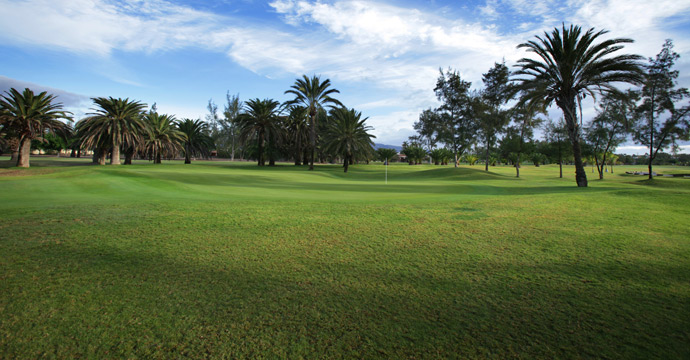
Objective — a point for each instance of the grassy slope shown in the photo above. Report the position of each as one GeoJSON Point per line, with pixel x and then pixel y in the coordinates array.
{"type": "Point", "coordinates": [215, 259]}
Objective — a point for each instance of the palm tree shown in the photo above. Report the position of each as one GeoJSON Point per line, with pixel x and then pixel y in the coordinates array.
{"type": "Point", "coordinates": [198, 141]}
{"type": "Point", "coordinates": [297, 129]}
{"type": "Point", "coordinates": [28, 116]}
{"type": "Point", "coordinates": [259, 121]}
{"type": "Point", "coordinates": [386, 154]}
{"type": "Point", "coordinates": [570, 66]}
{"type": "Point", "coordinates": [115, 122]}
{"type": "Point", "coordinates": [313, 95]}
{"type": "Point", "coordinates": [162, 137]}
{"type": "Point", "coordinates": [347, 135]}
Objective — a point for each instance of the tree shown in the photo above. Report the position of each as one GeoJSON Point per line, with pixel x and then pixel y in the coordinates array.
{"type": "Point", "coordinates": [163, 138]}
{"type": "Point", "coordinates": [570, 66]}
{"type": "Point", "coordinates": [197, 141]}
{"type": "Point", "coordinates": [115, 122]}
{"type": "Point", "coordinates": [297, 128]}
{"type": "Point", "coordinates": [660, 97]}
{"type": "Point", "coordinates": [228, 127]}
{"type": "Point", "coordinates": [259, 122]}
{"type": "Point", "coordinates": [457, 123]}
{"type": "Point", "coordinates": [348, 136]}
{"type": "Point", "coordinates": [313, 94]}
{"type": "Point", "coordinates": [610, 127]}
{"type": "Point", "coordinates": [386, 154]}
{"type": "Point", "coordinates": [525, 120]}
{"type": "Point", "coordinates": [496, 93]}
{"type": "Point", "coordinates": [29, 116]}
{"type": "Point", "coordinates": [555, 134]}
{"type": "Point", "coordinates": [428, 128]}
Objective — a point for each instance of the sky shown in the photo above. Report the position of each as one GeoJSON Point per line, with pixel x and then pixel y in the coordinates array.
{"type": "Point", "coordinates": [383, 56]}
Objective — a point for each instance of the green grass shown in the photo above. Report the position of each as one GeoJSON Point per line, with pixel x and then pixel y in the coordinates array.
{"type": "Point", "coordinates": [229, 260]}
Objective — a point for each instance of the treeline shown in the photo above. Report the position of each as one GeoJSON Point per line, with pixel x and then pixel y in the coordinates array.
{"type": "Point", "coordinates": [313, 125]}
{"type": "Point", "coordinates": [497, 123]}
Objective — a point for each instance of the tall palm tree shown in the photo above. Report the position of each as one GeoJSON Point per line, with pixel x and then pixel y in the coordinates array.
{"type": "Point", "coordinates": [162, 136]}
{"type": "Point", "coordinates": [198, 142]}
{"type": "Point", "coordinates": [28, 116]}
{"type": "Point", "coordinates": [347, 135]}
{"type": "Point", "coordinates": [114, 122]}
{"type": "Point", "coordinates": [571, 65]}
{"type": "Point", "coordinates": [297, 129]}
{"type": "Point", "coordinates": [313, 94]}
{"type": "Point", "coordinates": [259, 121]}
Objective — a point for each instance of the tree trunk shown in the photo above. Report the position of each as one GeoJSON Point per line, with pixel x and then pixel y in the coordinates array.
{"type": "Point", "coordinates": [24, 153]}
{"type": "Point", "coordinates": [570, 114]}
{"type": "Point", "coordinates": [346, 162]}
{"type": "Point", "coordinates": [115, 155]}
{"type": "Point", "coordinates": [129, 154]}
{"type": "Point", "coordinates": [101, 156]}
{"type": "Point", "coordinates": [517, 166]}
{"type": "Point", "coordinates": [312, 136]}
{"type": "Point", "coordinates": [260, 155]}
{"type": "Point", "coordinates": [187, 158]}
{"type": "Point", "coordinates": [486, 156]}
{"type": "Point", "coordinates": [158, 158]}
{"type": "Point", "coordinates": [78, 153]}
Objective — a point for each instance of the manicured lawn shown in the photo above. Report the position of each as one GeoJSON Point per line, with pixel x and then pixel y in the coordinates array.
{"type": "Point", "coordinates": [229, 260]}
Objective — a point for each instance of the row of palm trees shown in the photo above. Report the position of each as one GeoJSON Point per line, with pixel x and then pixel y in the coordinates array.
{"type": "Point", "coordinates": [310, 124]}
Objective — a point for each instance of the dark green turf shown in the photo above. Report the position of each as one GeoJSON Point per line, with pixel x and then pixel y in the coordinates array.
{"type": "Point", "coordinates": [230, 260]}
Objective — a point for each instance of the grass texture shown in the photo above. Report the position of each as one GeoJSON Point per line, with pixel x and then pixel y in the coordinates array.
{"type": "Point", "coordinates": [228, 260]}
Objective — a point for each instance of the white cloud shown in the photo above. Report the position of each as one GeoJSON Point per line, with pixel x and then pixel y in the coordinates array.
{"type": "Point", "coordinates": [392, 53]}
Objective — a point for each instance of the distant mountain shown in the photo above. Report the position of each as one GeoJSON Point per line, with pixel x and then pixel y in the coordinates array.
{"type": "Point", "coordinates": [397, 148]}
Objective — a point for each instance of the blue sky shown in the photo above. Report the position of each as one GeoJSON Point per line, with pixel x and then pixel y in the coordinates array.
{"type": "Point", "coordinates": [383, 56]}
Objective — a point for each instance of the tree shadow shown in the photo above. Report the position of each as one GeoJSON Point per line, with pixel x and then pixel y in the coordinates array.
{"type": "Point", "coordinates": [144, 303]}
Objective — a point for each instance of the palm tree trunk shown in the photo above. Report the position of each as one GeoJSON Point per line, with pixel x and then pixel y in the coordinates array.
{"type": "Point", "coordinates": [570, 115]}
{"type": "Point", "coordinates": [260, 156]}
{"type": "Point", "coordinates": [158, 158]}
{"type": "Point", "coordinates": [312, 136]}
{"type": "Point", "coordinates": [101, 156]}
{"type": "Point", "coordinates": [346, 162]}
{"type": "Point", "coordinates": [24, 153]}
{"type": "Point", "coordinates": [115, 156]}
{"type": "Point", "coordinates": [188, 159]}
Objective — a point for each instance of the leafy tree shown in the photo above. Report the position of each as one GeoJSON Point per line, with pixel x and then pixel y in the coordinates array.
{"type": "Point", "coordinates": [29, 116]}
{"type": "Point", "coordinates": [538, 159]}
{"type": "Point", "coordinates": [313, 94]}
{"type": "Point", "coordinates": [259, 122]}
{"type": "Point", "coordinates": [197, 142]}
{"type": "Point", "coordinates": [555, 133]}
{"type": "Point", "coordinates": [227, 135]}
{"type": "Point", "coordinates": [348, 136]}
{"type": "Point", "coordinates": [525, 120]}
{"type": "Point", "coordinates": [570, 66]}
{"type": "Point", "coordinates": [610, 127]}
{"type": "Point", "coordinates": [114, 122]}
{"type": "Point", "coordinates": [456, 120]}
{"type": "Point", "coordinates": [163, 138]}
{"type": "Point", "coordinates": [493, 118]}
{"type": "Point", "coordinates": [386, 154]}
{"type": "Point", "coordinates": [660, 97]}
{"type": "Point", "coordinates": [428, 128]}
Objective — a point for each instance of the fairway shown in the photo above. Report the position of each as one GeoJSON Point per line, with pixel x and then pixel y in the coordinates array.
{"type": "Point", "coordinates": [229, 260]}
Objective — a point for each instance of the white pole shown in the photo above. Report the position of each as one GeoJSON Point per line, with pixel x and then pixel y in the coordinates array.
{"type": "Point", "coordinates": [386, 170]}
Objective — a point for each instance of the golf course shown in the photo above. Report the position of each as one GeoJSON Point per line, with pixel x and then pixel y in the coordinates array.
{"type": "Point", "coordinates": [219, 259]}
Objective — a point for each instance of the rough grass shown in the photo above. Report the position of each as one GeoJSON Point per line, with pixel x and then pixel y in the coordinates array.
{"type": "Point", "coordinates": [229, 260]}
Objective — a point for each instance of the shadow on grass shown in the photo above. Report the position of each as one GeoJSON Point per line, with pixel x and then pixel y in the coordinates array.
{"type": "Point", "coordinates": [103, 301]}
